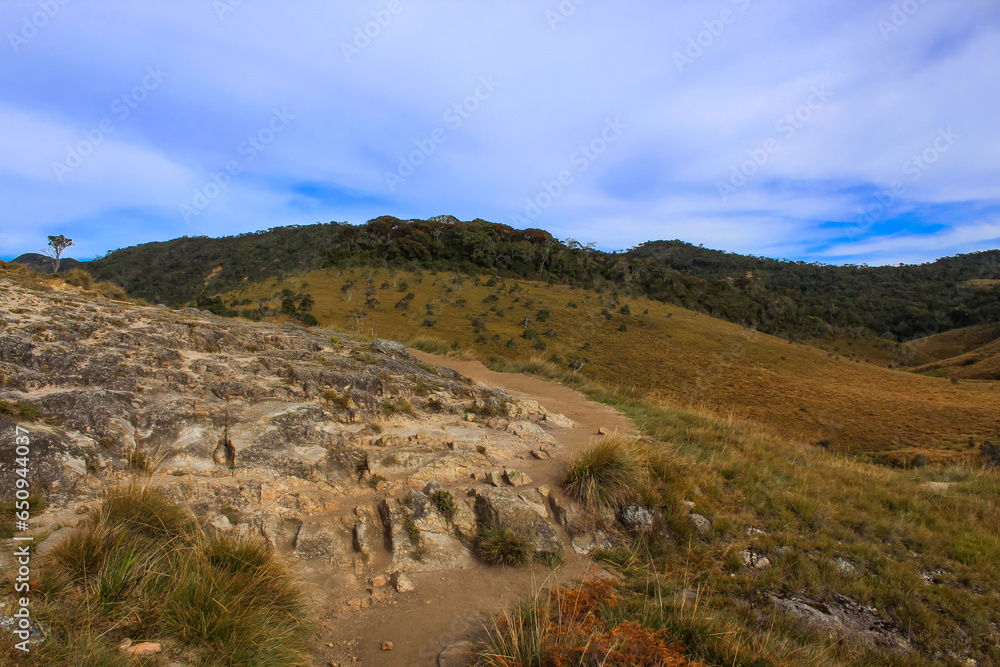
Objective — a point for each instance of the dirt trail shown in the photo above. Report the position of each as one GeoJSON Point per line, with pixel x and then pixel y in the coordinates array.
{"type": "Point", "coordinates": [450, 606]}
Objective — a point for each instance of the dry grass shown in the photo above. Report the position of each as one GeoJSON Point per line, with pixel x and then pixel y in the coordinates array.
{"type": "Point", "coordinates": [667, 351]}
{"type": "Point", "coordinates": [609, 474]}
{"type": "Point", "coordinates": [143, 570]}
{"type": "Point", "coordinates": [573, 626]}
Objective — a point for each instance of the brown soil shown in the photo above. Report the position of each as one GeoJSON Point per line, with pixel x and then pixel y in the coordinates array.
{"type": "Point", "coordinates": [451, 605]}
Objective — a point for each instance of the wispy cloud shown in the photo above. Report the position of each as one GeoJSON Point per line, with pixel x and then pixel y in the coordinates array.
{"type": "Point", "coordinates": [751, 88]}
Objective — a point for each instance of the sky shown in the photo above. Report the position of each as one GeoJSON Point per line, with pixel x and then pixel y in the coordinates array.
{"type": "Point", "coordinates": [836, 131]}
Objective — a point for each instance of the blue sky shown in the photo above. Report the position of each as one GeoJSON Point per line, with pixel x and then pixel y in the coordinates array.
{"type": "Point", "coordinates": [836, 131]}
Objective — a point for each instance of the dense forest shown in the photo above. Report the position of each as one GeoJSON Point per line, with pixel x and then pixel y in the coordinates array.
{"type": "Point", "coordinates": [776, 296]}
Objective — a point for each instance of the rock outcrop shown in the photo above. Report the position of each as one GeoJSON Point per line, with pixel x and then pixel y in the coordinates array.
{"type": "Point", "coordinates": [344, 456]}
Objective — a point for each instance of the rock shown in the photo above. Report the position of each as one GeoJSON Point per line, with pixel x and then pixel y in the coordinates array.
{"type": "Point", "coordinates": [702, 525]}
{"type": "Point", "coordinates": [504, 507]}
{"type": "Point", "coordinates": [402, 583]}
{"type": "Point", "coordinates": [37, 632]}
{"type": "Point", "coordinates": [755, 532]}
{"type": "Point", "coordinates": [844, 566]}
{"type": "Point", "coordinates": [386, 646]}
{"type": "Point", "coordinates": [540, 454]}
{"type": "Point", "coordinates": [53, 540]}
{"type": "Point", "coordinates": [843, 617]}
{"type": "Point", "coordinates": [526, 429]}
{"type": "Point", "coordinates": [559, 421]}
{"type": "Point", "coordinates": [751, 558]}
{"type": "Point", "coordinates": [495, 478]}
{"type": "Point", "coordinates": [516, 477]}
{"type": "Point", "coordinates": [391, 348]}
{"type": "Point", "coordinates": [379, 581]}
{"type": "Point", "coordinates": [462, 654]}
{"type": "Point", "coordinates": [143, 649]}
{"type": "Point", "coordinates": [635, 518]}
{"type": "Point", "coordinates": [602, 431]}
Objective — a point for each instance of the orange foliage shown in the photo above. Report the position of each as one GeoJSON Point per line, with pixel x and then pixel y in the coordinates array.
{"type": "Point", "coordinates": [573, 633]}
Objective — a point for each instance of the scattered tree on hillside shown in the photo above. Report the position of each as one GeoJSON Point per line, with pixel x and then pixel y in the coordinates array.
{"type": "Point", "coordinates": [57, 244]}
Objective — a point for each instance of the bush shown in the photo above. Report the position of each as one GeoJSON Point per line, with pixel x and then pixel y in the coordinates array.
{"type": "Point", "coordinates": [501, 545]}
{"type": "Point", "coordinates": [609, 474]}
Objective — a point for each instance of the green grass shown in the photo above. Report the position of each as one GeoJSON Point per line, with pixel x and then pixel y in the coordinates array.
{"type": "Point", "coordinates": [143, 570]}
{"type": "Point", "coordinates": [502, 545]}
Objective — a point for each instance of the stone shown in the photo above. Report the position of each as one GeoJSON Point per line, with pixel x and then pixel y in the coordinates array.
{"type": "Point", "coordinates": [386, 646]}
{"type": "Point", "coordinates": [755, 532]}
{"type": "Point", "coordinates": [750, 558]}
{"type": "Point", "coordinates": [558, 421]}
{"type": "Point", "coordinates": [402, 583]}
{"type": "Point", "coordinates": [526, 429]}
{"type": "Point", "coordinates": [844, 566]}
{"type": "Point", "coordinates": [461, 654]}
{"type": "Point", "coordinates": [702, 525]}
{"type": "Point", "coordinates": [391, 348]}
{"type": "Point", "coordinates": [504, 507]}
{"type": "Point", "coordinates": [516, 477]}
{"type": "Point", "coordinates": [495, 478]}
{"type": "Point", "coordinates": [635, 518]}
{"type": "Point", "coordinates": [602, 431]}
{"type": "Point", "coordinates": [540, 454]}
{"type": "Point", "coordinates": [143, 649]}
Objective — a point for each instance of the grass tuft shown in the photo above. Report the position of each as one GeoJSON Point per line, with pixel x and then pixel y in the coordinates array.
{"type": "Point", "coordinates": [608, 474]}
{"type": "Point", "coordinates": [502, 545]}
{"type": "Point", "coordinates": [142, 569]}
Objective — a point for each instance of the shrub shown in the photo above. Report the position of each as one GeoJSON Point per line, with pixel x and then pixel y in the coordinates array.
{"type": "Point", "coordinates": [502, 545]}
{"type": "Point", "coordinates": [609, 474]}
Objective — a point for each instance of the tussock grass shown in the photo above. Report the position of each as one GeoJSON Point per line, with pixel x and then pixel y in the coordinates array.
{"type": "Point", "coordinates": [143, 570]}
{"type": "Point", "coordinates": [501, 545]}
{"type": "Point", "coordinates": [609, 473]}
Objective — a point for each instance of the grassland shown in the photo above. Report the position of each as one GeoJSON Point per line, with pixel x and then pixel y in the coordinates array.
{"type": "Point", "coordinates": [919, 546]}
{"type": "Point", "coordinates": [846, 394]}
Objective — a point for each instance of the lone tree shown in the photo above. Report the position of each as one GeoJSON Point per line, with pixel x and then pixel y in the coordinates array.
{"type": "Point", "coordinates": [57, 244]}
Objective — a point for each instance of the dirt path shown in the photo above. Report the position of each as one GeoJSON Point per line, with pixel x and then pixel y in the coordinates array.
{"type": "Point", "coordinates": [449, 606]}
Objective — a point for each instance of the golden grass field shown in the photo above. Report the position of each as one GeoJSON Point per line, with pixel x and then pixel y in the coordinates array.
{"type": "Point", "coordinates": [846, 393]}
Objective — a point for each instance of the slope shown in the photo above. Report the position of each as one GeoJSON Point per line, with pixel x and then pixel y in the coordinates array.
{"type": "Point", "coordinates": [678, 354]}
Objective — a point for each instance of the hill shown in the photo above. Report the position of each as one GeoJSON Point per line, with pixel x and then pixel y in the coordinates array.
{"type": "Point", "coordinates": [791, 299]}
{"type": "Point", "coordinates": [262, 493]}
{"type": "Point", "coordinates": [898, 302]}
{"type": "Point", "coordinates": [971, 353]}
{"type": "Point", "coordinates": [845, 395]}
{"type": "Point", "coordinates": [39, 262]}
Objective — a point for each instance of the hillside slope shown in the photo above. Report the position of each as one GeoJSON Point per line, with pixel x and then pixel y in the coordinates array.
{"type": "Point", "coordinates": [684, 356]}
{"type": "Point", "coordinates": [971, 353]}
